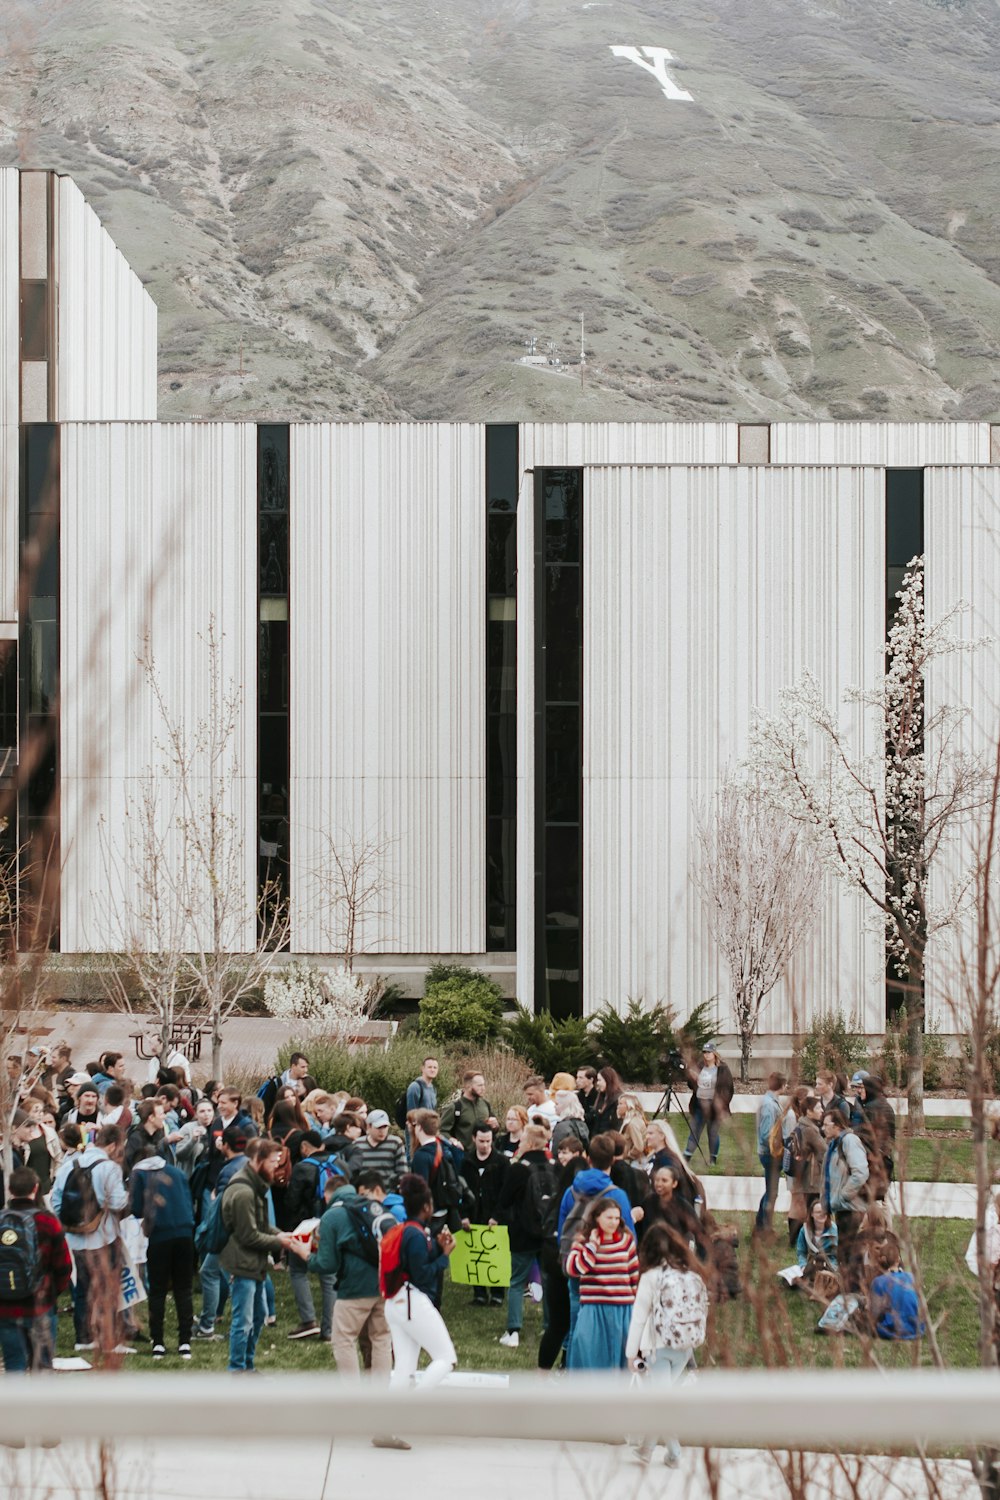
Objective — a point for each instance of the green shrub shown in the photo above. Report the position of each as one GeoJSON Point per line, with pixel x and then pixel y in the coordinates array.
{"type": "Point", "coordinates": [698, 1028]}
{"type": "Point", "coordinates": [634, 1043]}
{"type": "Point", "coordinates": [549, 1045]}
{"type": "Point", "coordinates": [378, 1076]}
{"type": "Point", "coordinates": [892, 1063]}
{"type": "Point", "coordinates": [992, 1050]}
{"type": "Point", "coordinates": [460, 1005]}
{"type": "Point", "coordinates": [830, 1044]}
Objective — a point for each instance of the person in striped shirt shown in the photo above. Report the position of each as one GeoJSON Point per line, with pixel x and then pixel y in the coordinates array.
{"type": "Point", "coordinates": [378, 1151]}
{"type": "Point", "coordinates": [604, 1259]}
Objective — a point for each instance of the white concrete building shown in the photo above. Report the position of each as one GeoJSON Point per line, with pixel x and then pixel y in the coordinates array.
{"type": "Point", "coordinates": [515, 657]}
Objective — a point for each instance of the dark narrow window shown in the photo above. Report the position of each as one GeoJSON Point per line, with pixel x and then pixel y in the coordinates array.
{"type": "Point", "coordinates": [38, 657]}
{"type": "Point", "coordinates": [273, 725]}
{"type": "Point", "coordinates": [904, 540]}
{"type": "Point", "coordinates": [34, 320]}
{"type": "Point", "coordinates": [502, 477]}
{"type": "Point", "coordinates": [558, 731]}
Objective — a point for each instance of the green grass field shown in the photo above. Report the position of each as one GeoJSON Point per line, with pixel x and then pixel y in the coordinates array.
{"type": "Point", "coordinates": [943, 1154]}
{"type": "Point", "coordinates": [769, 1326]}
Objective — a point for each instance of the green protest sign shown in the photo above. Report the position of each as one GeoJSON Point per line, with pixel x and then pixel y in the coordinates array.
{"type": "Point", "coordinates": [481, 1256]}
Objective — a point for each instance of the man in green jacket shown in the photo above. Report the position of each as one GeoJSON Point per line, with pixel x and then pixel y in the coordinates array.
{"type": "Point", "coordinates": [349, 1251]}
{"type": "Point", "coordinates": [470, 1108]}
{"type": "Point", "coordinates": [252, 1239]}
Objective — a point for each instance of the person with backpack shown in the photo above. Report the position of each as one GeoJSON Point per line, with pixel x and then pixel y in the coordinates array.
{"type": "Point", "coordinates": [877, 1130]}
{"type": "Point", "coordinates": [668, 1322]}
{"type": "Point", "coordinates": [88, 1198]}
{"type": "Point", "coordinates": [160, 1198]}
{"type": "Point", "coordinates": [571, 1161]}
{"type": "Point", "coordinates": [439, 1163]}
{"type": "Point", "coordinates": [35, 1269]}
{"type": "Point", "coordinates": [347, 1252]}
{"type": "Point", "coordinates": [845, 1190]}
{"type": "Point", "coordinates": [420, 1094]}
{"type": "Point", "coordinates": [250, 1242]}
{"type": "Point", "coordinates": [484, 1172]}
{"type": "Point", "coordinates": [893, 1301]}
{"type": "Point", "coordinates": [411, 1270]}
{"type": "Point", "coordinates": [304, 1199]}
{"type": "Point", "coordinates": [523, 1207]}
{"type": "Point", "coordinates": [469, 1108]}
{"type": "Point", "coordinates": [604, 1261]}
{"type": "Point", "coordinates": [770, 1149]}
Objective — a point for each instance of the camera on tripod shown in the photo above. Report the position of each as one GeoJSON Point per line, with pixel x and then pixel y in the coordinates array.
{"type": "Point", "coordinates": [673, 1068]}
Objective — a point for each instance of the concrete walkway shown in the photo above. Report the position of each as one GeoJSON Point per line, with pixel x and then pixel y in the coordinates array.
{"type": "Point", "coordinates": [924, 1200]}
{"type": "Point", "coordinates": [487, 1468]}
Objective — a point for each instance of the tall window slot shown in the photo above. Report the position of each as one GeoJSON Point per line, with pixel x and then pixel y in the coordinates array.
{"type": "Point", "coordinates": [501, 686]}
{"type": "Point", "coordinates": [38, 695]}
{"type": "Point", "coordinates": [558, 743]}
{"type": "Point", "coordinates": [904, 540]}
{"type": "Point", "coordinates": [273, 725]}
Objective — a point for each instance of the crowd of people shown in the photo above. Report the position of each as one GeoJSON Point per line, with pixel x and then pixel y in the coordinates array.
{"type": "Point", "coordinates": [169, 1184]}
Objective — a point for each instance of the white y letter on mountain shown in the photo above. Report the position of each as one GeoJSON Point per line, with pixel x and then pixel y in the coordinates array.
{"type": "Point", "coordinates": [657, 65]}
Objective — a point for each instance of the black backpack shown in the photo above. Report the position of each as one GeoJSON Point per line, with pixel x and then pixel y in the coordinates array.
{"type": "Point", "coordinates": [446, 1186]}
{"type": "Point", "coordinates": [536, 1204]}
{"type": "Point", "coordinates": [361, 1222]}
{"type": "Point", "coordinates": [399, 1110]}
{"type": "Point", "coordinates": [19, 1262]}
{"type": "Point", "coordinates": [79, 1211]}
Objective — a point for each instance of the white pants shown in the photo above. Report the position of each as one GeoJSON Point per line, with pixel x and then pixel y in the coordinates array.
{"type": "Point", "coordinates": [416, 1324]}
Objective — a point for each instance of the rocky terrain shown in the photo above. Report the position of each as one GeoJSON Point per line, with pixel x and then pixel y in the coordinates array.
{"type": "Point", "coordinates": [365, 210]}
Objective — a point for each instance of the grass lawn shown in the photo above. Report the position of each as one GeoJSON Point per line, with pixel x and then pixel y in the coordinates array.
{"type": "Point", "coordinates": [771, 1326]}
{"type": "Point", "coordinates": [943, 1154]}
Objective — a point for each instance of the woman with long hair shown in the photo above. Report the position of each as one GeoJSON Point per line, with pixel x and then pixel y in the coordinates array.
{"type": "Point", "coordinates": [412, 1288]}
{"type": "Point", "coordinates": [571, 1159]}
{"type": "Point", "coordinates": [509, 1140]}
{"type": "Point", "coordinates": [287, 1116]}
{"type": "Point", "coordinates": [604, 1260]}
{"type": "Point", "coordinates": [609, 1089]}
{"type": "Point", "coordinates": [711, 1095]}
{"type": "Point", "coordinates": [668, 1320]}
{"type": "Point", "coordinates": [666, 1206]}
{"type": "Point", "coordinates": [631, 1123]}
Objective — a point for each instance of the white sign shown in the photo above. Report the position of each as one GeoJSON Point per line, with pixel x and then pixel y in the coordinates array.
{"type": "Point", "coordinates": [657, 65]}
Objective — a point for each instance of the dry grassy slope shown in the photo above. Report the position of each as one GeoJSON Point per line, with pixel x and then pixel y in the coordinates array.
{"type": "Point", "coordinates": [382, 201]}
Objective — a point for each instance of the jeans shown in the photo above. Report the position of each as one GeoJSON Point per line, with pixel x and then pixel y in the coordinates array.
{"type": "Point", "coordinates": [27, 1343]}
{"type": "Point", "coordinates": [573, 1283]}
{"type": "Point", "coordinates": [521, 1262]}
{"type": "Point", "coordinates": [170, 1267]}
{"type": "Point", "coordinates": [668, 1366]}
{"type": "Point", "coordinates": [214, 1291]}
{"type": "Point", "coordinates": [698, 1122]}
{"type": "Point", "coordinates": [772, 1177]}
{"type": "Point", "coordinates": [302, 1292]}
{"type": "Point", "coordinates": [270, 1301]}
{"type": "Point", "coordinates": [247, 1297]}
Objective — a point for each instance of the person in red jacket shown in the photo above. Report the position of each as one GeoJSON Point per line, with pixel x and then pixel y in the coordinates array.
{"type": "Point", "coordinates": [28, 1324]}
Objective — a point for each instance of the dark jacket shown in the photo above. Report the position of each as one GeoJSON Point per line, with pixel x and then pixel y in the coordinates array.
{"type": "Point", "coordinates": [724, 1090]}
{"type": "Point", "coordinates": [460, 1117]}
{"type": "Point", "coordinates": [632, 1180]}
{"type": "Point", "coordinates": [423, 1260]}
{"type": "Point", "coordinates": [808, 1151]}
{"type": "Point", "coordinates": [216, 1160]}
{"type": "Point", "coordinates": [339, 1252]}
{"type": "Point", "coordinates": [161, 1198]}
{"type": "Point", "coordinates": [510, 1210]}
{"type": "Point", "coordinates": [423, 1164]}
{"type": "Point", "coordinates": [562, 1128]}
{"type": "Point", "coordinates": [301, 1197]}
{"type": "Point", "coordinates": [55, 1269]}
{"type": "Point", "coordinates": [485, 1181]}
{"type": "Point", "coordinates": [251, 1238]}
{"type": "Point", "coordinates": [140, 1143]}
{"type": "Point", "coordinates": [603, 1116]}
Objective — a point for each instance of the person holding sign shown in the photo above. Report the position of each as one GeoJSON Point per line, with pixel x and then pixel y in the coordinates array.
{"type": "Point", "coordinates": [411, 1268]}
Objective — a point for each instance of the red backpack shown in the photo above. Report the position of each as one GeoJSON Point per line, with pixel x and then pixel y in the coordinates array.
{"type": "Point", "coordinates": [391, 1275]}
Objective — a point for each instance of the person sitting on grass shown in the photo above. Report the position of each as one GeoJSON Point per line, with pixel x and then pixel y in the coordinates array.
{"type": "Point", "coordinates": [816, 1246]}
{"type": "Point", "coordinates": [893, 1302]}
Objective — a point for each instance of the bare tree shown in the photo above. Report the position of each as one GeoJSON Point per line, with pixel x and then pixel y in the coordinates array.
{"type": "Point", "coordinates": [760, 891]}
{"type": "Point", "coordinates": [181, 908]}
{"type": "Point", "coordinates": [878, 820]}
{"type": "Point", "coordinates": [351, 888]}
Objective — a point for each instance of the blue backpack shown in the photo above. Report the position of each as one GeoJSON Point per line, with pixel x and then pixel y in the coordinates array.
{"type": "Point", "coordinates": [327, 1167]}
{"type": "Point", "coordinates": [211, 1237]}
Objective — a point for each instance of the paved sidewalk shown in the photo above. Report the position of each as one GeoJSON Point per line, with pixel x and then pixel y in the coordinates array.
{"type": "Point", "coordinates": [489, 1469]}
{"type": "Point", "coordinates": [924, 1200]}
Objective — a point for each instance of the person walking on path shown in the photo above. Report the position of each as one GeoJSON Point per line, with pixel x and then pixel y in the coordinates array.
{"type": "Point", "coordinates": [251, 1240]}
{"type": "Point", "coordinates": [711, 1096]}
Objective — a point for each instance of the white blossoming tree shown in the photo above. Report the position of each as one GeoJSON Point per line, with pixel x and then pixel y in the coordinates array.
{"type": "Point", "coordinates": [756, 875]}
{"type": "Point", "coordinates": [328, 1005]}
{"type": "Point", "coordinates": [878, 821]}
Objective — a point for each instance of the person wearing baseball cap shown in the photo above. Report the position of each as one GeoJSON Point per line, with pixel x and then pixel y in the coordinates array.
{"type": "Point", "coordinates": [858, 1081]}
{"type": "Point", "coordinates": [711, 1096]}
{"type": "Point", "coordinates": [380, 1152]}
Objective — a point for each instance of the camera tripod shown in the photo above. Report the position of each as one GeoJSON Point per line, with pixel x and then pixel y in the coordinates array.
{"type": "Point", "coordinates": [663, 1108]}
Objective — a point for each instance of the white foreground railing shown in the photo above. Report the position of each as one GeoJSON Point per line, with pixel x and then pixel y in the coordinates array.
{"type": "Point", "coordinates": [788, 1409]}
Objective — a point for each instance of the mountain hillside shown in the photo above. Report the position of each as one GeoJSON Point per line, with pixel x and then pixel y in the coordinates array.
{"type": "Point", "coordinates": [368, 210]}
